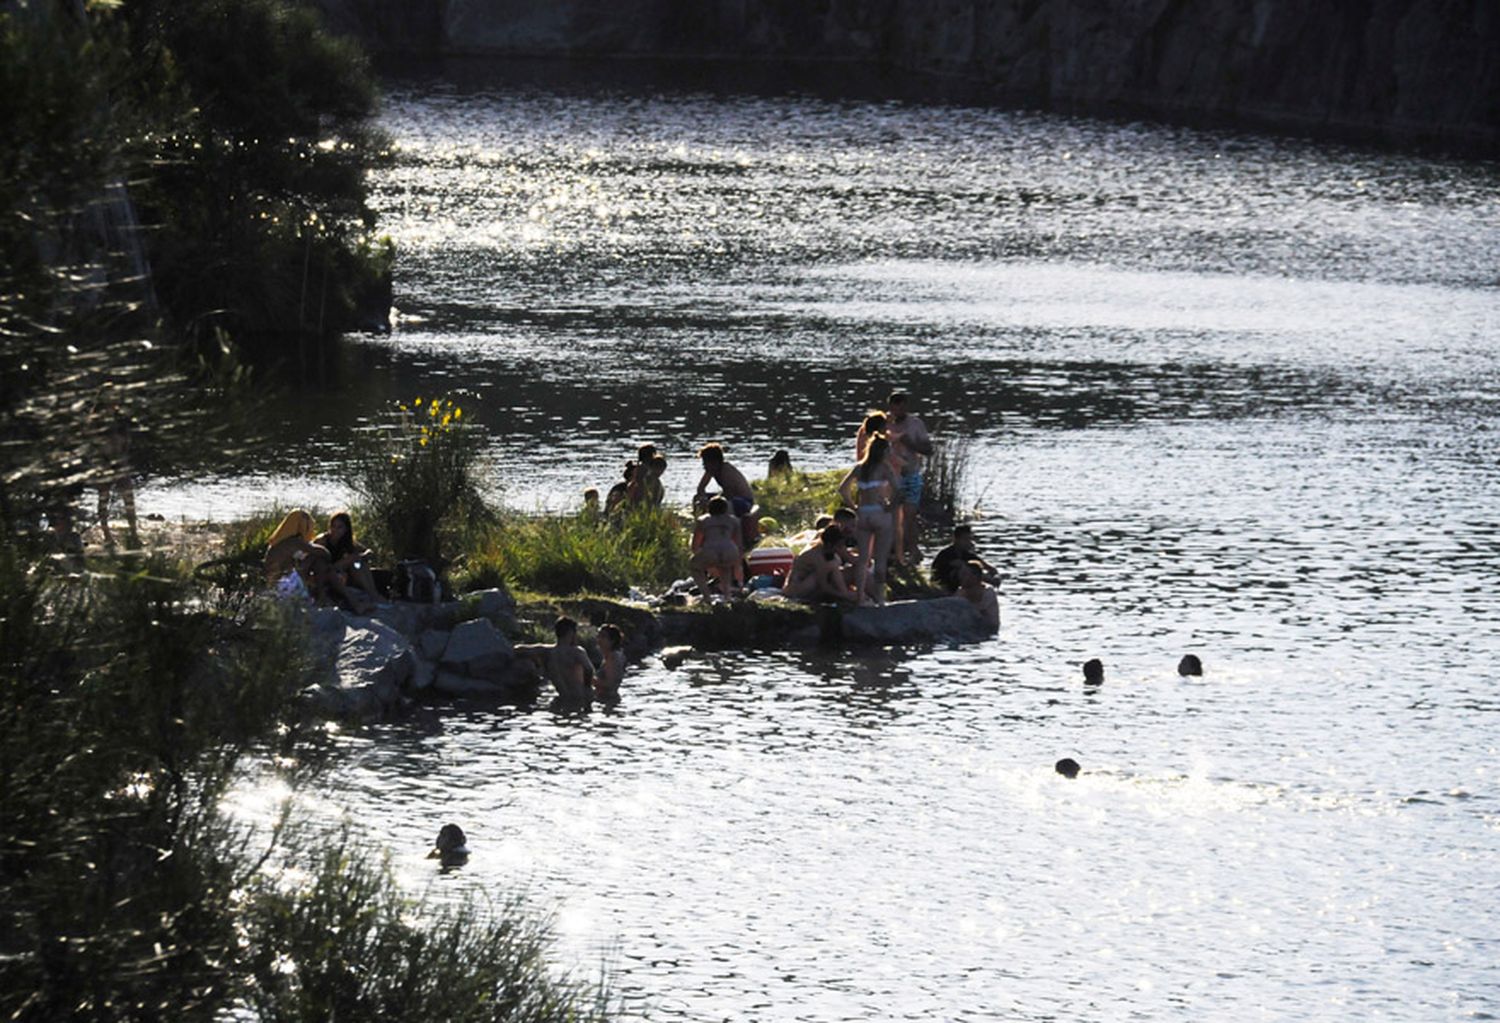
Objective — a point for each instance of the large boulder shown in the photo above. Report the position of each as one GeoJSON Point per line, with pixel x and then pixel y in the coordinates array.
{"type": "Point", "coordinates": [371, 665]}
{"type": "Point", "coordinates": [477, 649]}
{"type": "Point", "coordinates": [916, 621]}
{"type": "Point", "coordinates": [497, 604]}
{"type": "Point", "coordinates": [432, 643]}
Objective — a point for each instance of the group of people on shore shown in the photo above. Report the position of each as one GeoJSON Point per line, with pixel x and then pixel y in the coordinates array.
{"type": "Point", "coordinates": [848, 556]}
{"type": "Point", "coordinates": [325, 566]}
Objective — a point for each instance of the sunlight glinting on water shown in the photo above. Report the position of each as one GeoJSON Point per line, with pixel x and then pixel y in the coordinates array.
{"type": "Point", "coordinates": [1223, 394]}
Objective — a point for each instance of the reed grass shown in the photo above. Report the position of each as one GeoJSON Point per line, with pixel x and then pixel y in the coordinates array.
{"type": "Point", "coordinates": [566, 554]}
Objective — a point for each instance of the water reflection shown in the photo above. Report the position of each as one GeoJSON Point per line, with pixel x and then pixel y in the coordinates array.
{"type": "Point", "coordinates": [1229, 396]}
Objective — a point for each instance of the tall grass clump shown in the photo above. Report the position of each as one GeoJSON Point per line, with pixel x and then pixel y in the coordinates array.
{"type": "Point", "coordinates": [945, 478]}
{"type": "Point", "coordinates": [419, 483]}
{"type": "Point", "coordinates": [577, 553]}
{"type": "Point", "coordinates": [347, 945]}
{"type": "Point", "coordinates": [797, 498]}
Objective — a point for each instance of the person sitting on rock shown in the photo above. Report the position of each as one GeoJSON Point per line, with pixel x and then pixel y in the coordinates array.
{"type": "Point", "coordinates": [946, 563]}
{"type": "Point", "coordinates": [818, 572]}
{"type": "Point", "coordinates": [780, 466]}
{"type": "Point", "coordinates": [732, 483]}
{"type": "Point", "coordinates": [611, 665]}
{"type": "Point", "coordinates": [290, 553]}
{"type": "Point", "coordinates": [972, 587]}
{"type": "Point", "coordinates": [350, 561]}
{"type": "Point", "coordinates": [716, 548]}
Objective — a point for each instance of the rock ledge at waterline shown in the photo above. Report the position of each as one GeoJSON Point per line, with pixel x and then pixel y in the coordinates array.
{"type": "Point", "coordinates": [371, 664]}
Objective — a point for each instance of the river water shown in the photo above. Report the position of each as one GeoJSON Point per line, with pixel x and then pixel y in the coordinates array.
{"type": "Point", "coordinates": [1224, 394]}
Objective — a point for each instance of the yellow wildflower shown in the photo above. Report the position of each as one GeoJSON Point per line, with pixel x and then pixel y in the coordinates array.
{"type": "Point", "coordinates": [424, 442]}
{"type": "Point", "coordinates": [458, 413]}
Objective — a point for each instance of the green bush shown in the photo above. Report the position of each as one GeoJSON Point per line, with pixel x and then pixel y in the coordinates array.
{"type": "Point", "coordinates": [419, 484]}
{"type": "Point", "coordinates": [347, 945]}
{"type": "Point", "coordinates": [577, 553]}
{"type": "Point", "coordinates": [795, 500]}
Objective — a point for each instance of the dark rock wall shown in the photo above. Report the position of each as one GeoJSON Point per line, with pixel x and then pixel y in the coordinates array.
{"type": "Point", "coordinates": [1402, 71]}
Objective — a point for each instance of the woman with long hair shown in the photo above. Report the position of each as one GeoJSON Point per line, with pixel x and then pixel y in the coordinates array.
{"type": "Point", "coordinates": [871, 487]}
{"type": "Point", "coordinates": [350, 561]}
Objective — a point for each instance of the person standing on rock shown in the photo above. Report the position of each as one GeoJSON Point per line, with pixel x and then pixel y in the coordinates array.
{"type": "Point", "coordinates": [909, 442]}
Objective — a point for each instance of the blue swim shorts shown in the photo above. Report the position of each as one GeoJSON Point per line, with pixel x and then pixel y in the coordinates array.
{"type": "Point", "coordinates": [911, 487]}
{"type": "Point", "coordinates": [741, 505]}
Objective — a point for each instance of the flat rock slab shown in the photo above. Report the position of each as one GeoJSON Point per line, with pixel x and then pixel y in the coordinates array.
{"type": "Point", "coordinates": [916, 621]}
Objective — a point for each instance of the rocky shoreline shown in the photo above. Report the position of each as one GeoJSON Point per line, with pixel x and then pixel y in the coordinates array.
{"type": "Point", "coordinates": [374, 666]}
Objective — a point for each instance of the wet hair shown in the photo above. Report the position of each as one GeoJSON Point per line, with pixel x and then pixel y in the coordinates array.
{"type": "Point", "coordinates": [645, 453]}
{"type": "Point", "coordinates": [613, 634]}
{"type": "Point", "coordinates": [823, 522]}
{"type": "Point", "coordinates": [713, 452]}
{"type": "Point", "coordinates": [1093, 672]}
{"type": "Point", "coordinates": [1067, 767]}
{"type": "Point", "coordinates": [1189, 665]}
{"type": "Point", "coordinates": [563, 626]}
{"type": "Point", "coordinates": [874, 455]}
{"type": "Point", "coordinates": [718, 505]}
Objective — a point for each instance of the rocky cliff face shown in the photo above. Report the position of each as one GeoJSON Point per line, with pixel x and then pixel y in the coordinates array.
{"type": "Point", "coordinates": [1400, 71]}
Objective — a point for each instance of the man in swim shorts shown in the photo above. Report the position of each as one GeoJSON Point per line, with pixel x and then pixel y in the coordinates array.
{"type": "Point", "coordinates": [909, 442]}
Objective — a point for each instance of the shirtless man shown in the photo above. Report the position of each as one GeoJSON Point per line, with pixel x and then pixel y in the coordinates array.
{"type": "Point", "coordinates": [716, 545]}
{"type": "Point", "coordinates": [818, 572]}
{"type": "Point", "coordinates": [732, 483]}
{"type": "Point", "coordinates": [565, 664]}
{"type": "Point", "coordinates": [909, 442]}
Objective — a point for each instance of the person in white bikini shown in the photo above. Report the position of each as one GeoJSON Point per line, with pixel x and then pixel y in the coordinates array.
{"type": "Point", "coordinates": [871, 487]}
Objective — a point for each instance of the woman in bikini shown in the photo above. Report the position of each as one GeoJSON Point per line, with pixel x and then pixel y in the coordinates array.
{"type": "Point", "coordinates": [871, 487]}
{"type": "Point", "coordinates": [716, 545]}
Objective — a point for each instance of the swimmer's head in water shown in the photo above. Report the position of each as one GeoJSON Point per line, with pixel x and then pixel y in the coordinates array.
{"type": "Point", "coordinates": [718, 505]}
{"type": "Point", "coordinates": [1189, 665]}
{"type": "Point", "coordinates": [1093, 672]}
{"type": "Point", "coordinates": [1067, 767]}
{"type": "Point", "coordinates": [565, 627]}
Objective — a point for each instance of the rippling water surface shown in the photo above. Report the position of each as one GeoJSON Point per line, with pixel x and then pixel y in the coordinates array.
{"type": "Point", "coordinates": [1225, 394]}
